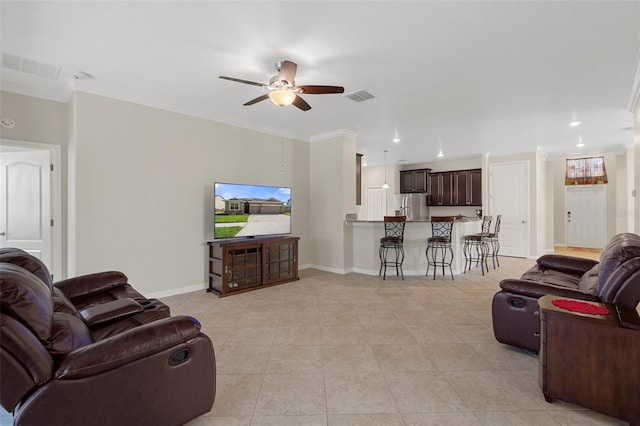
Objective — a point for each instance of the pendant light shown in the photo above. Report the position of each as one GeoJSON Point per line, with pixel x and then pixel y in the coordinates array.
{"type": "Point", "coordinates": [385, 185]}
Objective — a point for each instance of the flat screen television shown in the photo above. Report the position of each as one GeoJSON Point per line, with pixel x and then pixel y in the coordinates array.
{"type": "Point", "coordinates": [248, 211]}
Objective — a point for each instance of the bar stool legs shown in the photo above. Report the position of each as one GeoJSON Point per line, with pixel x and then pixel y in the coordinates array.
{"type": "Point", "coordinates": [495, 243]}
{"type": "Point", "coordinates": [441, 260]}
{"type": "Point", "coordinates": [479, 242]}
{"type": "Point", "coordinates": [395, 261]}
{"type": "Point", "coordinates": [481, 256]}
{"type": "Point", "coordinates": [495, 249]}
{"type": "Point", "coordinates": [439, 244]}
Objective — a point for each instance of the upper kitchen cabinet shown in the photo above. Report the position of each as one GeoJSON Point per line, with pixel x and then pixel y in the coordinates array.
{"type": "Point", "coordinates": [456, 188]}
{"type": "Point", "coordinates": [413, 181]}
{"type": "Point", "coordinates": [441, 189]}
{"type": "Point", "coordinates": [468, 187]}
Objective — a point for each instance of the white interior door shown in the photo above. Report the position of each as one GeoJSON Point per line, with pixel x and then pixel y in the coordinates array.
{"type": "Point", "coordinates": [376, 203]}
{"type": "Point", "coordinates": [509, 197]}
{"type": "Point", "coordinates": [25, 202]}
{"type": "Point", "coordinates": [585, 216]}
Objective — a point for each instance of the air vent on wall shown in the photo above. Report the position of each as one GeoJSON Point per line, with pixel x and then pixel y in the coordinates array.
{"type": "Point", "coordinates": [30, 66]}
{"type": "Point", "coordinates": [359, 96]}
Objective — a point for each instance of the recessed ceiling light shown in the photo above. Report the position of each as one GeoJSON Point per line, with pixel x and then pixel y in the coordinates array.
{"type": "Point", "coordinates": [575, 123]}
{"type": "Point", "coordinates": [580, 144]}
{"type": "Point", "coordinates": [440, 154]}
{"type": "Point", "coordinates": [396, 139]}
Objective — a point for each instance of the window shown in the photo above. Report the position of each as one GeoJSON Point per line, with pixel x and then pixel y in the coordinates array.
{"type": "Point", "coordinates": [234, 206]}
{"type": "Point", "coordinates": [586, 171]}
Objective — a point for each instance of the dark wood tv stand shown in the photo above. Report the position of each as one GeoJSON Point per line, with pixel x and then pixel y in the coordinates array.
{"type": "Point", "coordinates": [244, 265]}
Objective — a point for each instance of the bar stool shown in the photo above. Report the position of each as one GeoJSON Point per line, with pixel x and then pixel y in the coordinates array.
{"type": "Point", "coordinates": [393, 240]}
{"type": "Point", "coordinates": [439, 243]}
{"type": "Point", "coordinates": [479, 242]}
{"type": "Point", "coordinates": [492, 239]}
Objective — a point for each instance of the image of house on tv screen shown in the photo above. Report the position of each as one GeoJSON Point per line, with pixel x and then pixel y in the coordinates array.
{"type": "Point", "coordinates": [251, 210]}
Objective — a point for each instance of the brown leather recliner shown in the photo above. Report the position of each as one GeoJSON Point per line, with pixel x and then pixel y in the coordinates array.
{"type": "Point", "coordinates": [119, 361]}
{"type": "Point", "coordinates": [615, 279]}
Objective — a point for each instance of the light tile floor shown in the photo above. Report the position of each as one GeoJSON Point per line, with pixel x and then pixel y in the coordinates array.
{"type": "Point", "coordinates": [356, 350]}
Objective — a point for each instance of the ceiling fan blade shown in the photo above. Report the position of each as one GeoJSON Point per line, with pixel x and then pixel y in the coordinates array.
{"type": "Point", "coordinates": [301, 103]}
{"type": "Point", "coordinates": [239, 80]}
{"type": "Point", "coordinates": [256, 100]}
{"type": "Point", "coordinates": [319, 90]}
{"type": "Point", "coordinates": [288, 72]}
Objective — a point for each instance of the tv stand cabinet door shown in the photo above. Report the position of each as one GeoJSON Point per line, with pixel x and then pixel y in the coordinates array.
{"type": "Point", "coordinates": [280, 261]}
{"type": "Point", "coordinates": [242, 267]}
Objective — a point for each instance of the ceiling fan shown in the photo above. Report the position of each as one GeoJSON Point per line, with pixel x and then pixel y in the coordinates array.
{"type": "Point", "coordinates": [283, 90]}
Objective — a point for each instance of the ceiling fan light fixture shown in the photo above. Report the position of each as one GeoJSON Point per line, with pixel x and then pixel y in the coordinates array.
{"type": "Point", "coordinates": [282, 97]}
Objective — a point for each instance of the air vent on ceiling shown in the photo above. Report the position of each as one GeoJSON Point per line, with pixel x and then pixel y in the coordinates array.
{"type": "Point", "coordinates": [626, 129]}
{"type": "Point", "coordinates": [30, 66]}
{"type": "Point", "coordinates": [359, 96]}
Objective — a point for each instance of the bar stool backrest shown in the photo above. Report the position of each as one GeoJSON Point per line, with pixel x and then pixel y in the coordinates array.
{"type": "Point", "coordinates": [441, 226]}
{"type": "Point", "coordinates": [496, 230]}
{"type": "Point", "coordinates": [394, 227]}
{"type": "Point", "coordinates": [486, 225]}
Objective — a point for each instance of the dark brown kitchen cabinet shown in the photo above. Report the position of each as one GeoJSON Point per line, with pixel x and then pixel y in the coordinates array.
{"type": "Point", "coordinates": [441, 188]}
{"type": "Point", "coordinates": [468, 187]}
{"type": "Point", "coordinates": [413, 181]}
{"type": "Point", "coordinates": [475, 194]}
{"type": "Point", "coordinates": [455, 188]}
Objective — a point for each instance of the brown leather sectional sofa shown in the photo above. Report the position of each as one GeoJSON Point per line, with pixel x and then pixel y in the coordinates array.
{"type": "Point", "coordinates": [615, 279]}
{"type": "Point", "coordinates": [92, 350]}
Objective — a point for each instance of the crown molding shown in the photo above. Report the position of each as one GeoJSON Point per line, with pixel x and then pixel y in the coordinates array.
{"type": "Point", "coordinates": [333, 135]}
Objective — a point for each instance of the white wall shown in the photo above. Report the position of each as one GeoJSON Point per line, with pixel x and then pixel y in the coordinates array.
{"type": "Point", "coordinates": [628, 196]}
{"type": "Point", "coordinates": [332, 185]}
{"type": "Point", "coordinates": [37, 120]}
{"type": "Point", "coordinates": [447, 165]}
{"type": "Point", "coordinates": [636, 162]}
{"type": "Point", "coordinates": [144, 188]}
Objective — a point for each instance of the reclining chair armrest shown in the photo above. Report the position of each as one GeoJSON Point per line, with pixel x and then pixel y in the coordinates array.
{"type": "Point", "coordinates": [127, 347]}
{"type": "Point", "coordinates": [567, 264]}
{"type": "Point", "coordinates": [536, 290]}
{"type": "Point", "coordinates": [105, 312]}
{"type": "Point", "coordinates": [92, 283]}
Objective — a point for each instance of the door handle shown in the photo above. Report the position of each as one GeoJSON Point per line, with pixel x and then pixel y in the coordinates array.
{"type": "Point", "coordinates": [524, 221]}
{"type": "Point", "coordinates": [2, 234]}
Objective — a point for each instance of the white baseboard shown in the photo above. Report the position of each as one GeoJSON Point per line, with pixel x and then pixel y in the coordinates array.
{"type": "Point", "coordinates": [176, 291]}
{"type": "Point", "coordinates": [327, 269]}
